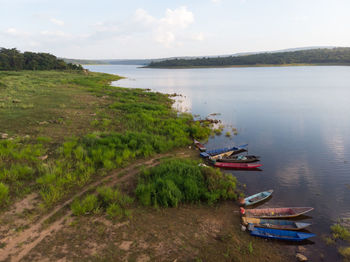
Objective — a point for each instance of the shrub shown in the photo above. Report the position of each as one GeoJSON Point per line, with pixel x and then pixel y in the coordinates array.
{"type": "Point", "coordinates": [179, 181]}
{"type": "Point", "coordinates": [87, 206]}
{"type": "Point", "coordinates": [115, 211]}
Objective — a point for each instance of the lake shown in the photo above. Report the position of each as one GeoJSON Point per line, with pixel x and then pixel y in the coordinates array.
{"type": "Point", "coordinates": [296, 118]}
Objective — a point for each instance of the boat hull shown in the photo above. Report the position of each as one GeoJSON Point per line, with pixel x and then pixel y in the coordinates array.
{"type": "Point", "coordinates": [235, 159]}
{"type": "Point", "coordinates": [257, 198]}
{"type": "Point", "coordinates": [232, 150]}
{"type": "Point", "coordinates": [280, 234]}
{"type": "Point", "coordinates": [284, 212]}
{"type": "Point", "coordinates": [275, 223]}
{"type": "Point", "coordinates": [236, 165]}
{"type": "Point", "coordinates": [199, 145]}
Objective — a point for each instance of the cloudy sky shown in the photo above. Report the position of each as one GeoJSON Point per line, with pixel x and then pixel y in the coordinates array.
{"type": "Point", "coordinates": [163, 28]}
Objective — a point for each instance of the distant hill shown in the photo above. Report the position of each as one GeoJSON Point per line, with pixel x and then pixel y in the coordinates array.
{"type": "Point", "coordinates": [111, 61]}
{"type": "Point", "coordinates": [148, 61]}
{"type": "Point", "coordinates": [321, 56]}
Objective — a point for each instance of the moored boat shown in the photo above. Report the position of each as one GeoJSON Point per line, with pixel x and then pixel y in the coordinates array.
{"type": "Point", "coordinates": [275, 223]}
{"type": "Point", "coordinates": [239, 159]}
{"type": "Point", "coordinates": [224, 151]}
{"type": "Point", "coordinates": [281, 212]}
{"type": "Point", "coordinates": [236, 165]}
{"type": "Point", "coordinates": [199, 145]}
{"type": "Point", "coordinates": [254, 199]}
{"type": "Point", "coordinates": [280, 234]}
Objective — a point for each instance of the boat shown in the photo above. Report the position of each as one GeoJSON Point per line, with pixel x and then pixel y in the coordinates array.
{"type": "Point", "coordinates": [224, 151]}
{"type": "Point", "coordinates": [254, 199]}
{"type": "Point", "coordinates": [281, 212]}
{"type": "Point", "coordinates": [280, 234]}
{"type": "Point", "coordinates": [236, 165]}
{"type": "Point", "coordinates": [275, 223]}
{"type": "Point", "coordinates": [239, 159]}
{"type": "Point", "coordinates": [200, 146]}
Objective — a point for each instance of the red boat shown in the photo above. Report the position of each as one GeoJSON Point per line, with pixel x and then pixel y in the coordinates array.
{"type": "Point", "coordinates": [237, 165]}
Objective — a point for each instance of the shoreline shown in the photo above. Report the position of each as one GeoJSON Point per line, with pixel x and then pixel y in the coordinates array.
{"type": "Point", "coordinates": [241, 66]}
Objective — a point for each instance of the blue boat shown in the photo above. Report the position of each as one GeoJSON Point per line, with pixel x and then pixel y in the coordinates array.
{"type": "Point", "coordinates": [274, 223]}
{"type": "Point", "coordinates": [280, 234]}
{"type": "Point", "coordinates": [235, 149]}
{"type": "Point", "coordinates": [254, 199]}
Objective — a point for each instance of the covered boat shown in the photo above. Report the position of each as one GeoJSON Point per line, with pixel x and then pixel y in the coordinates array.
{"type": "Point", "coordinates": [275, 223]}
{"type": "Point", "coordinates": [236, 165]}
{"type": "Point", "coordinates": [281, 212]}
{"type": "Point", "coordinates": [254, 199]}
{"type": "Point", "coordinates": [227, 151]}
{"type": "Point", "coordinates": [200, 146]}
{"type": "Point", "coordinates": [239, 159]}
{"type": "Point", "coordinates": [280, 234]}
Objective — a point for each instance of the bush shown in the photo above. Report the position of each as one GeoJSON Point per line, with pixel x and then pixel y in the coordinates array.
{"type": "Point", "coordinates": [183, 181]}
{"type": "Point", "coordinates": [110, 200]}
{"type": "Point", "coordinates": [4, 194]}
{"type": "Point", "coordinates": [87, 206]}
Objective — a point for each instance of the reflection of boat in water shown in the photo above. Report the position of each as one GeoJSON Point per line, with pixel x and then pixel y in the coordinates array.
{"type": "Point", "coordinates": [275, 223]}
{"type": "Point", "coordinates": [280, 234]}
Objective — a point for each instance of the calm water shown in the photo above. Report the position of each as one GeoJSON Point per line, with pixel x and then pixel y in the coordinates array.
{"type": "Point", "coordinates": [296, 118]}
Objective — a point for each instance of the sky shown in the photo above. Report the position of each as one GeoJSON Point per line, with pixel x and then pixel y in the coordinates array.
{"type": "Point", "coordinates": [114, 29]}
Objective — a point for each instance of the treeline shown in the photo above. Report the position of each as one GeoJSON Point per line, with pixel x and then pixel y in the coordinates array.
{"type": "Point", "coordinates": [314, 56]}
{"type": "Point", "coordinates": [12, 59]}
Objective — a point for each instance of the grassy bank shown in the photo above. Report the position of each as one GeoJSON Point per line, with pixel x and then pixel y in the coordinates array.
{"type": "Point", "coordinates": [63, 129]}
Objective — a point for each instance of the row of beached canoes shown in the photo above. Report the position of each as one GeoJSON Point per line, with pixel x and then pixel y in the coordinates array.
{"type": "Point", "coordinates": [229, 157]}
{"type": "Point", "coordinates": [269, 223]}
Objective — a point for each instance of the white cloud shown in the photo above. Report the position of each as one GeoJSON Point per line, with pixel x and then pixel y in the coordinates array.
{"type": "Point", "coordinates": [198, 37]}
{"type": "Point", "coordinates": [56, 21]}
{"type": "Point", "coordinates": [15, 32]}
{"type": "Point", "coordinates": [168, 29]}
{"type": "Point", "coordinates": [179, 17]}
{"type": "Point", "coordinates": [216, 1]}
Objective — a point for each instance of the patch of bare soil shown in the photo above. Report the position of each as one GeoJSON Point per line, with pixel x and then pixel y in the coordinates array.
{"type": "Point", "coordinates": [187, 233]}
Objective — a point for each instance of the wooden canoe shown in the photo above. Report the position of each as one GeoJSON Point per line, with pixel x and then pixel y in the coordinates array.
{"type": "Point", "coordinates": [239, 159]}
{"type": "Point", "coordinates": [280, 234]}
{"type": "Point", "coordinates": [200, 146]}
{"type": "Point", "coordinates": [224, 151]}
{"type": "Point", "coordinates": [275, 223]}
{"type": "Point", "coordinates": [254, 199]}
{"type": "Point", "coordinates": [236, 165]}
{"type": "Point", "coordinates": [281, 212]}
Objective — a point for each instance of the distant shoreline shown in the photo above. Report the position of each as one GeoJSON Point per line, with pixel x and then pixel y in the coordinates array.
{"type": "Point", "coordinates": [242, 66]}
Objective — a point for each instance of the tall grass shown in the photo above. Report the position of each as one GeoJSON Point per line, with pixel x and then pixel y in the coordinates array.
{"type": "Point", "coordinates": [4, 194]}
{"type": "Point", "coordinates": [109, 200]}
{"type": "Point", "coordinates": [183, 181]}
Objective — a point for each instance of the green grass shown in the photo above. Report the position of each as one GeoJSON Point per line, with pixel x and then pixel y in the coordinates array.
{"type": "Point", "coordinates": [109, 200]}
{"type": "Point", "coordinates": [183, 181]}
{"type": "Point", "coordinates": [84, 126]}
{"type": "Point", "coordinates": [340, 232]}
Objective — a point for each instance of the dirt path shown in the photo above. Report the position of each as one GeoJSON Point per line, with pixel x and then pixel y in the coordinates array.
{"type": "Point", "coordinates": [16, 247]}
